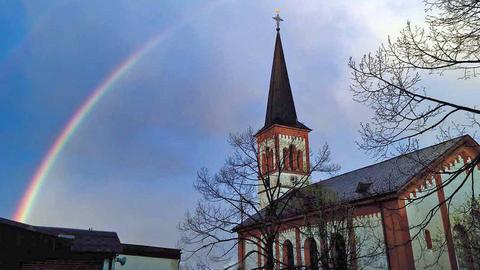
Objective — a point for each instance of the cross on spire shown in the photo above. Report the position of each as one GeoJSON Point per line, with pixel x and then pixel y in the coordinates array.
{"type": "Point", "coordinates": [278, 19]}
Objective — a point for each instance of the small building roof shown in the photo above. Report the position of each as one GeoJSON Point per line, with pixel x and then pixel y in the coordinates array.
{"type": "Point", "coordinates": [89, 241]}
{"type": "Point", "coordinates": [149, 251]}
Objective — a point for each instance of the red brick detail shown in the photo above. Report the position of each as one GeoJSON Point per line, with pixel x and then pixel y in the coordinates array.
{"type": "Point", "coordinates": [446, 224]}
{"type": "Point", "coordinates": [94, 264]}
{"type": "Point", "coordinates": [241, 254]}
{"type": "Point", "coordinates": [397, 236]}
{"type": "Point", "coordinates": [298, 247]}
{"type": "Point", "coordinates": [364, 210]}
{"type": "Point", "coordinates": [274, 131]}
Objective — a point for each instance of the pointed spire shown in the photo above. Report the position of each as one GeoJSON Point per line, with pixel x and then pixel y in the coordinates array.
{"type": "Point", "coordinates": [280, 106]}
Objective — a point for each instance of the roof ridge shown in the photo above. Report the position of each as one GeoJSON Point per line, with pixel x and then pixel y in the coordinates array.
{"type": "Point", "coordinates": [71, 229]}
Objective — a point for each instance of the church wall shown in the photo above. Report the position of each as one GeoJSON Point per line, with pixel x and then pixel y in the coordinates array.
{"type": "Point", "coordinates": [370, 242]}
{"type": "Point", "coordinates": [460, 198]}
{"type": "Point", "coordinates": [284, 236]}
{"type": "Point", "coordinates": [443, 254]}
{"type": "Point", "coordinates": [251, 261]}
{"type": "Point", "coordinates": [306, 232]}
{"type": "Point", "coordinates": [418, 213]}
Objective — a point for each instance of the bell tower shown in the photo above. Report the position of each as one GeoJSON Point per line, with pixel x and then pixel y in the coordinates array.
{"type": "Point", "coordinates": [283, 140]}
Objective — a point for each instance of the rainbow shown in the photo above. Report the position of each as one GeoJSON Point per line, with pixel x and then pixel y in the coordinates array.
{"type": "Point", "coordinates": [25, 207]}
{"type": "Point", "coordinates": [26, 203]}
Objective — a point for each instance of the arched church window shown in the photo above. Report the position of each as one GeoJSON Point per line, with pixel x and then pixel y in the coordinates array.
{"type": "Point", "coordinates": [287, 251]}
{"type": "Point", "coordinates": [463, 247]}
{"type": "Point", "coordinates": [300, 160]}
{"type": "Point", "coordinates": [339, 252]}
{"type": "Point", "coordinates": [271, 166]}
{"type": "Point", "coordinates": [428, 239]}
{"type": "Point", "coordinates": [263, 162]}
{"type": "Point", "coordinates": [292, 157]}
{"type": "Point", "coordinates": [311, 254]}
{"type": "Point", "coordinates": [286, 159]}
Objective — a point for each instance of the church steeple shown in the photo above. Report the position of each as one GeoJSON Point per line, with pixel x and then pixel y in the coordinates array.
{"type": "Point", "coordinates": [280, 106]}
{"type": "Point", "coordinates": [283, 140]}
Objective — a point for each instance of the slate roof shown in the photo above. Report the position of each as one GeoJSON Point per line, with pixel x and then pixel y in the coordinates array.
{"type": "Point", "coordinates": [280, 106]}
{"type": "Point", "coordinates": [385, 177]}
{"type": "Point", "coordinates": [19, 225]}
{"type": "Point", "coordinates": [389, 175]}
{"type": "Point", "coordinates": [87, 240]}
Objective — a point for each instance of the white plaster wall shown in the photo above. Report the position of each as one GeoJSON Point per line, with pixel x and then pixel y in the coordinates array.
{"type": "Point", "coordinates": [417, 213]}
{"type": "Point", "coordinates": [464, 194]}
{"type": "Point", "coordinates": [438, 257]}
{"type": "Point", "coordinates": [287, 235]}
{"type": "Point", "coordinates": [251, 260]}
{"type": "Point", "coordinates": [147, 263]}
{"type": "Point", "coordinates": [286, 182]}
{"type": "Point", "coordinates": [370, 242]}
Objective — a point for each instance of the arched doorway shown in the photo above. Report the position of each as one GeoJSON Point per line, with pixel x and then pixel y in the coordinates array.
{"type": "Point", "coordinates": [311, 254]}
{"type": "Point", "coordinates": [287, 251]}
{"type": "Point", "coordinates": [339, 252]}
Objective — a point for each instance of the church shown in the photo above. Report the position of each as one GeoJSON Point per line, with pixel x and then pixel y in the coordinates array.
{"type": "Point", "coordinates": [382, 195]}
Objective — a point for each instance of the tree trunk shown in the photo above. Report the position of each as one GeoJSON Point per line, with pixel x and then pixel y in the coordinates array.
{"type": "Point", "coordinates": [270, 262]}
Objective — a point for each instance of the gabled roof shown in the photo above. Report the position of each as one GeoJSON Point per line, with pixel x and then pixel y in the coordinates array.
{"type": "Point", "coordinates": [280, 106]}
{"type": "Point", "coordinates": [87, 240]}
{"type": "Point", "coordinates": [384, 177]}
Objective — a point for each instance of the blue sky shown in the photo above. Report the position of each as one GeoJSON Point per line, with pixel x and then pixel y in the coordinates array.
{"type": "Point", "coordinates": [130, 166]}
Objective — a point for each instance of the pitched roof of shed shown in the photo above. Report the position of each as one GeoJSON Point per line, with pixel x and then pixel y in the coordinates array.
{"type": "Point", "coordinates": [386, 177]}
{"type": "Point", "coordinates": [87, 240]}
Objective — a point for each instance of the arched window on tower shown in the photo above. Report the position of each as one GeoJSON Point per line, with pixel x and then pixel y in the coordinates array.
{"type": "Point", "coordinates": [292, 157]}
{"type": "Point", "coordinates": [271, 163]}
{"type": "Point", "coordinates": [287, 251]}
{"type": "Point", "coordinates": [263, 163]}
{"type": "Point", "coordinates": [428, 239]}
{"type": "Point", "coordinates": [311, 254]}
{"type": "Point", "coordinates": [300, 161]}
{"type": "Point", "coordinates": [286, 159]}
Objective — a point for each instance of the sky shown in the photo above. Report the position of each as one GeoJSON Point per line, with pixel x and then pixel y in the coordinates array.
{"type": "Point", "coordinates": [130, 165]}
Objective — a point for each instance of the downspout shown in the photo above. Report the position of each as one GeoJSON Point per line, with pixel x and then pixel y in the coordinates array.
{"type": "Point", "coordinates": [113, 262]}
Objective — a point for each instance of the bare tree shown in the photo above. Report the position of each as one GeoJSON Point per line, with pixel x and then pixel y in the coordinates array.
{"type": "Point", "coordinates": [331, 223]}
{"type": "Point", "coordinates": [405, 109]}
{"type": "Point", "coordinates": [229, 199]}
